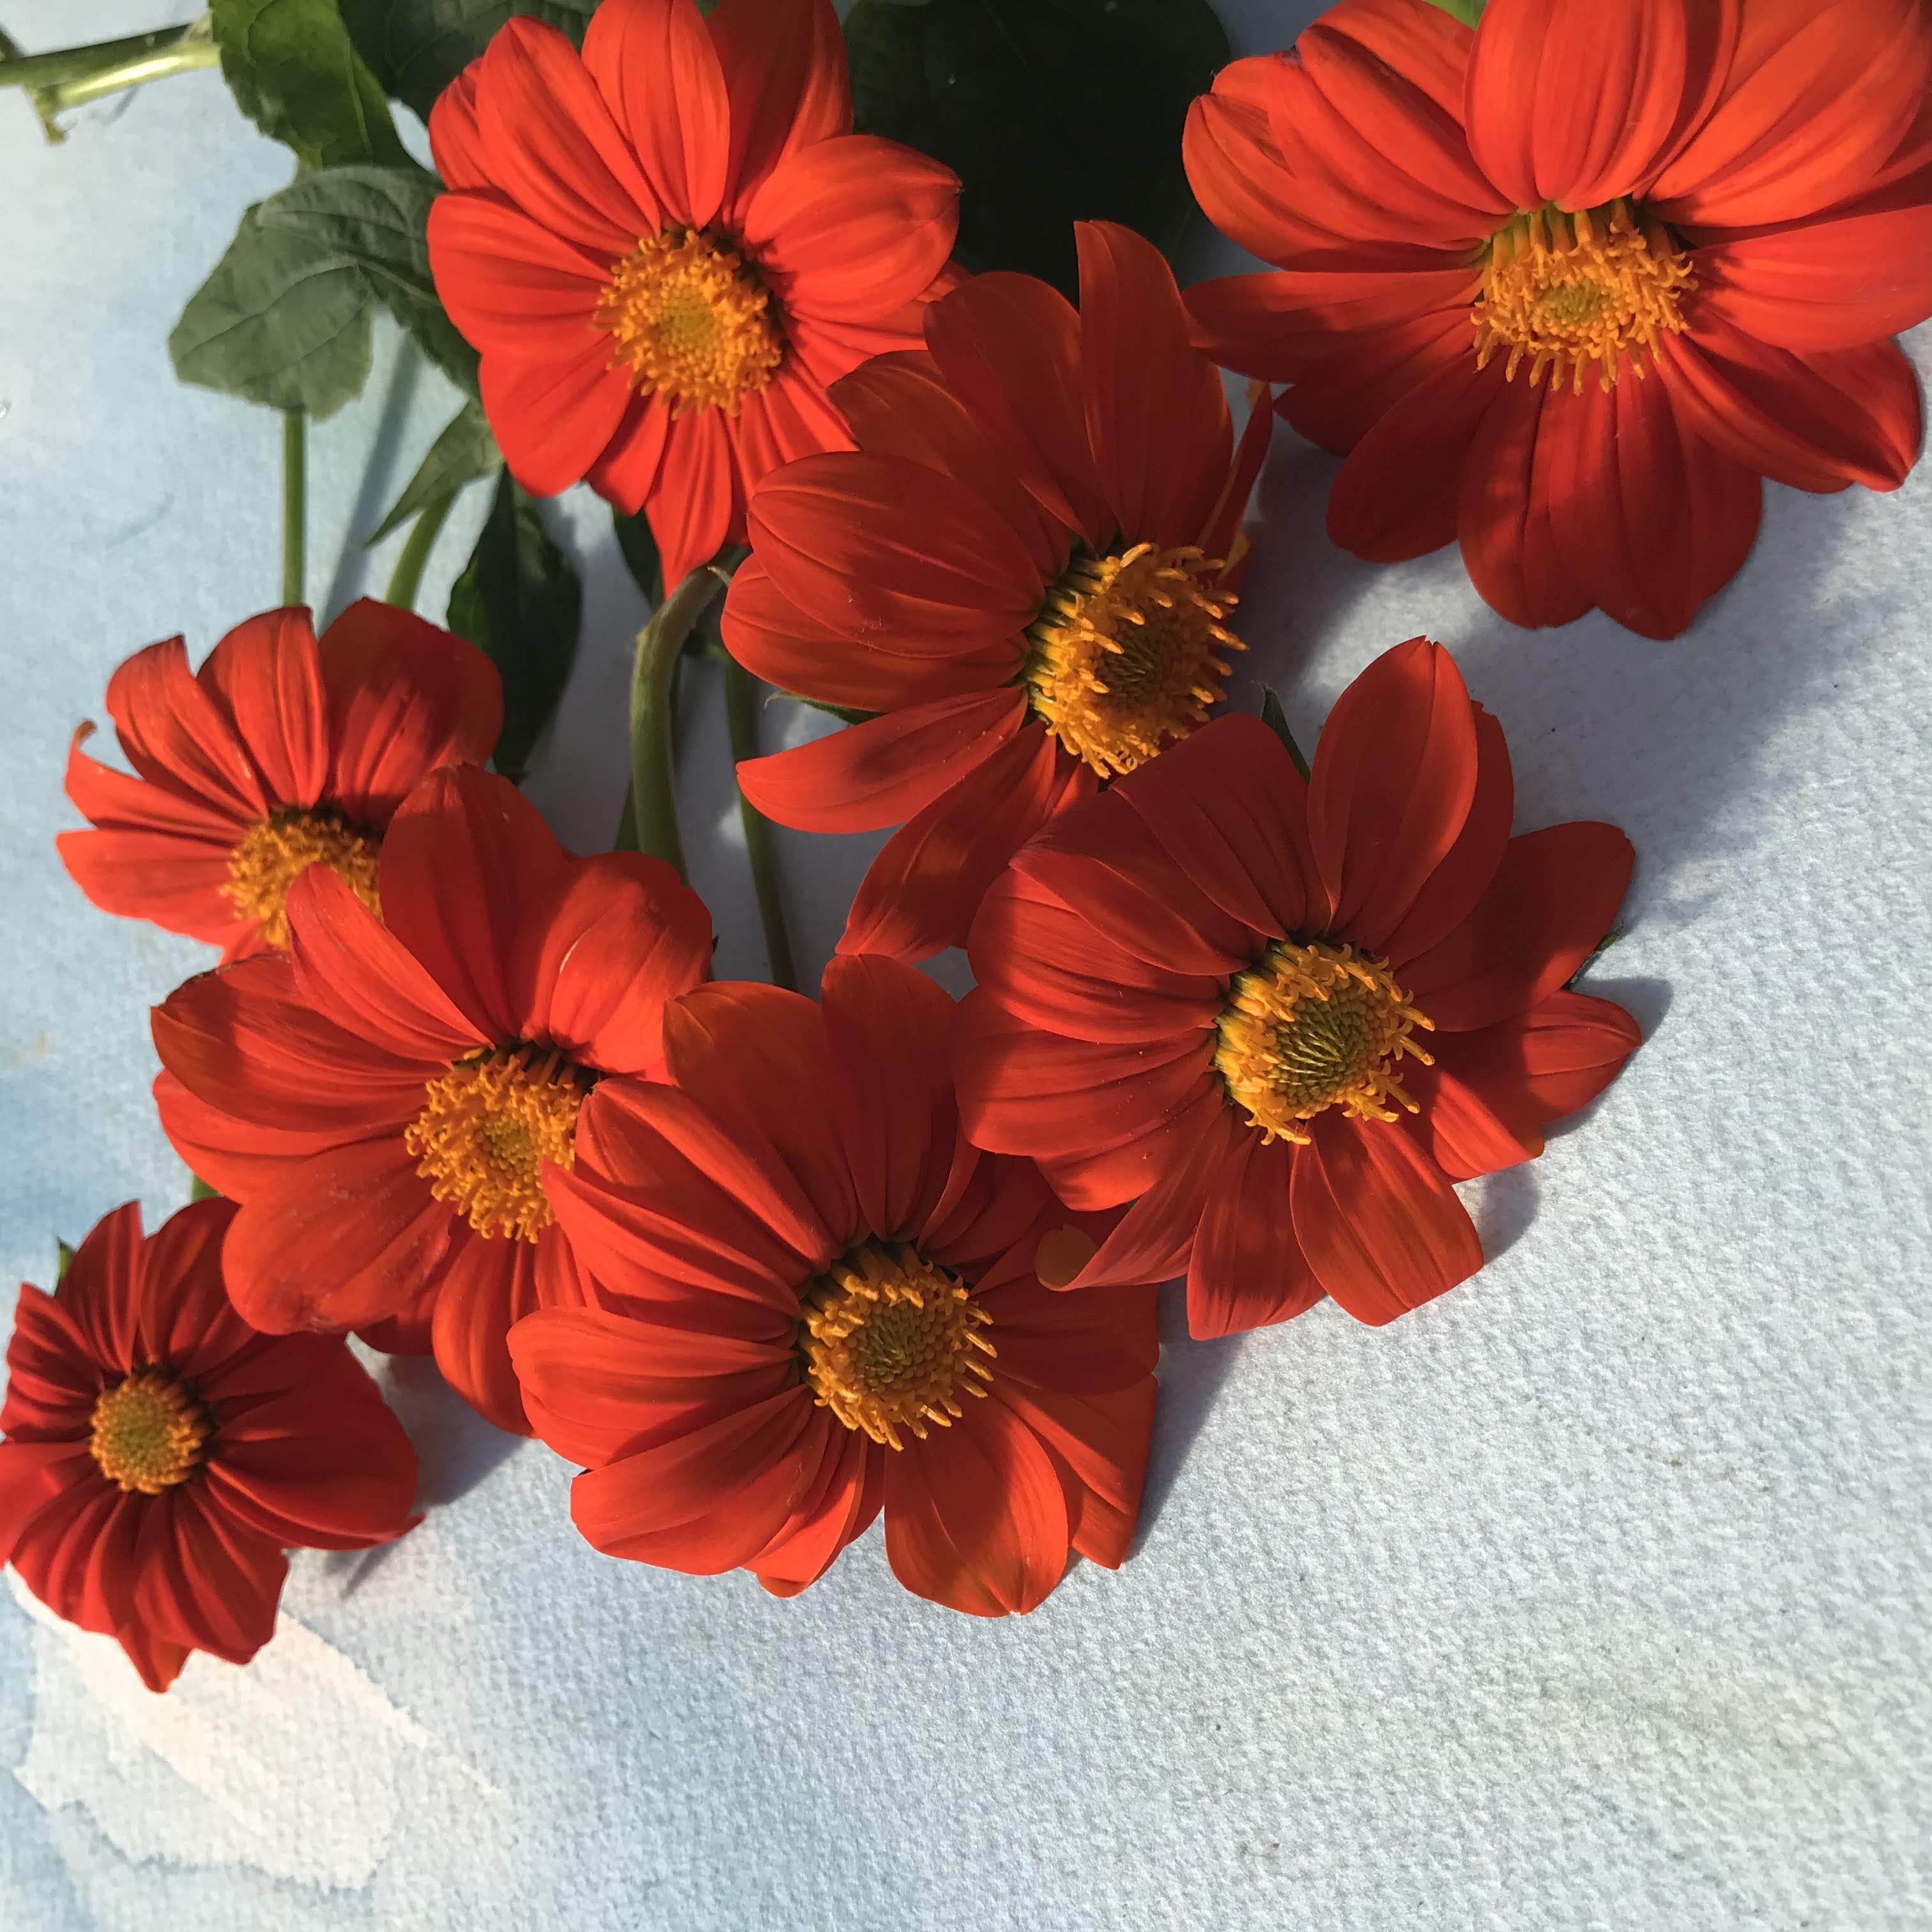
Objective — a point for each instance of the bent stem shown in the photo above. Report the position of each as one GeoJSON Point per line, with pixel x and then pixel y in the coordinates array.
{"type": "Point", "coordinates": [653, 800]}
{"type": "Point", "coordinates": [295, 505]}
{"type": "Point", "coordinates": [406, 580]}
{"type": "Point", "coordinates": [69, 75]}
{"type": "Point", "coordinates": [743, 724]}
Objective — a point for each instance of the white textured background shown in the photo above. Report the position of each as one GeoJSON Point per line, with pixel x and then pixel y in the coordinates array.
{"type": "Point", "coordinates": [1590, 1597]}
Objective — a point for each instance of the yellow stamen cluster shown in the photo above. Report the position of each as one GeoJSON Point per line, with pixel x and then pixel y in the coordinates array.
{"type": "Point", "coordinates": [275, 852]}
{"type": "Point", "coordinates": [149, 1432]}
{"type": "Point", "coordinates": [1126, 653]}
{"type": "Point", "coordinates": [890, 1340]}
{"type": "Point", "coordinates": [1313, 1027]}
{"type": "Point", "coordinates": [690, 322]}
{"type": "Point", "coordinates": [488, 1126]}
{"type": "Point", "coordinates": [1564, 291]}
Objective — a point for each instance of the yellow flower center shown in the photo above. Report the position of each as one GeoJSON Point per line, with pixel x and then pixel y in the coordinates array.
{"type": "Point", "coordinates": [275, 851]}
{"type": "Point", "coordinates": [1569, 290]}
{"type": "Point", "coordinates": [149, 1432]}
{"type": "Point", "coordinates": [1313, 1027]}
{"type": "Point", "coordinates": [1126, 653]}
{"type": "Point", "coordinates": [488, 1126]}
{"type": "Point", "coordinates": [692, 322]}
{"type": "Point", "coordinates": [890, 1340]}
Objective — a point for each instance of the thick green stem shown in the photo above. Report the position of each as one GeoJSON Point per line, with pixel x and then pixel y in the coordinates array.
{"type": "Point", "coordinates": [71, 75]}
{"type": "Point", "coordinates": [407, 578]}
{"type": "Point", "coordinates": [294, 506]}
{"type": "Point", "coordinates": [653, 800]}
{"type": "Point", "coordinates": [742, 720]}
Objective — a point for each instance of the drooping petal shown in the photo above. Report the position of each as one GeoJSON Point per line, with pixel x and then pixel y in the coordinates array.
{"type": "Point", "coordinates": [487, 1286]}
{"type": "Point", "coordinates": [176, 736]}
{"type": "Point", "coordinates": [1247, 1270]}
{"type": "Point", "coordinates": [695, 507]}
{"type": "Point", "coordinates": [1237, 171]}
{"type": "Point", "coordinates": [454, 142]}
{"type": "Point", "coordinates": [1459, 1130]}
{"type": "Point", "coordinates": [850, 1494]}
{"type": "Point", "coordinates": [654, 63]}
{"type": "Point", "coordinates": [555, 418]}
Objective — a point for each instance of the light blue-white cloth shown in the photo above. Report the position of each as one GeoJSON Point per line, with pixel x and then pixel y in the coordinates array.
{"type": "Point", "coordinates": [1589, 1596]}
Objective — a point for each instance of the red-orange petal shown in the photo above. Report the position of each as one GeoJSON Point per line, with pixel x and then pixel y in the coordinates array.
{"type": "Point", "coordinates": [654, 63]}
{"type": "Point", "coordinates": [1247, 1270]}
{"type": "Point", "coordinates": [266, 675]}
{"type": "Point", "coordinates": [784, 63]}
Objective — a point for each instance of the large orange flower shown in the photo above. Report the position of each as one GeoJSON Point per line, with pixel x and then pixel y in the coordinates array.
{"type": "Point", "coordinates": [1567, 287]}
{"type": "Point", "coordinates": [160, 1454]}
{"type": "Point", "coordinates": [666, 248]}
{"type": "Point", "coordinates": [827, 1303]}
{"type": "Point", "coordinates": [1024, 566]}
{"type": "Point", "coordinates": [382, 1099]}
{"type": "Point", "coordinates": [1281, 1018]}
{"type": "Point", "coordinates": [280, 752]}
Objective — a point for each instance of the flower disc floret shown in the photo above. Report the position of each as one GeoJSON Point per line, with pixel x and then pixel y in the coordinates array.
{"type": "Point", "coordinates": [275, 851]}
{"type": "Point", "coordinates": [148, 1432]}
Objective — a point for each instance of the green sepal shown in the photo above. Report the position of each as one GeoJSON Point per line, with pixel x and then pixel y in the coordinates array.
{"type": "Point", "coordinates": [1275, 719]}
{"type": "Point", "coordinates": [1469, 12]}
{"type": "Point", "coordinates": [63, 1260]}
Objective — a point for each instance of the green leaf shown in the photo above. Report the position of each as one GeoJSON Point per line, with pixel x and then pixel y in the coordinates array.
{"type": "Point", "coordinates": [1275, 719]}
{"type": "Point", "coordinates": [518, 599]}
{"type": "Point", "coordinates": [640, 550]}
{"type": "Point", "coordinates": [63, 1260]}
{"type": "Point", "coordinates": [416, 48]}
{"type": "Point", "coordinates": [284, 319]}
{"type": "Point", "coordinates": [463, 452]}
{"type": "Point", "coordinates": [1469, 12]}
{"type": "Point", "coordinates": [294, 74]}
{"type": "Point", "coordinates": [1049, 111]}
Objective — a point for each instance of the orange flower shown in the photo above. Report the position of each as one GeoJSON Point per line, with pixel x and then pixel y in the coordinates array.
{"type": "Point", "coordinates": [280, 752]}
{"type": "Point", "coordinates": [827, 1304]}
{"type": "Point", "coordinates": [382, 1099]}
{"type": "Point", "coordinates": [1281, 1018]}
{"type": "Point", "coordinates": [1025, 567]}
{"type": "Point", "coordinates": [1567, 287]}
{"type": "Point", "coordinates": [160, 1454]}
{"type": "Point", "coordinates": [666, 248]}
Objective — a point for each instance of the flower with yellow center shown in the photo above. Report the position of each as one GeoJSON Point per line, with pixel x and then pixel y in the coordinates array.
{"type": "Point", "coordinates": [486, 1130]}
{"type": "Point", "coordinates": [1125, 653]}
{"type": "Point", "coordinates": [148, 1432]}
{"type": "Point", "coordinates": [275, 851]}
{"type": "Point", "coordinates": [1569, 292]}
{"type": "Point", "coordinates": [890, 1340]}
{"type": "Point", "coordinates": [1314, 1026]}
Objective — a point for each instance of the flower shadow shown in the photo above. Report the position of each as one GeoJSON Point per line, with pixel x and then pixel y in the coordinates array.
{"type": "Point", "coordinates": [1191, 1373]}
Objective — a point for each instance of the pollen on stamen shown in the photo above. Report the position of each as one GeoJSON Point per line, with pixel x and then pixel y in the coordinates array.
{"type": "Point", "coordinates": [148, 1432]}
{"type": "Point", "coordinates": [1311, 1027]}
{"type": "Point", "coordinates": [486, 1128]}
{"type": "Point", "coordinates": [1126, 654]}
{"type": "Point", "coordinates": [890, 1341]}
{"type": "Point", "coordinates": [275, 851]}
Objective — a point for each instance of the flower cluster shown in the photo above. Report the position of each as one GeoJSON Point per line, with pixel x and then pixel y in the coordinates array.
{"type": "Point", "coordinates": [1565, 287]}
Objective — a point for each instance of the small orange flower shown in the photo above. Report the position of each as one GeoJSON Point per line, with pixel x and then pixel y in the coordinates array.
{"type": "Point", "coordinates": [1280, 1017]}
{"type": "Point", "coordinates": [281, 751]}
{"type": "Point", "coordinates": [667, 247]}
{"type": "Point", "coordinates": [385, 1099]}
{"type": "Point", "coordinates": [160, 1454]}
{"type": "Point", "coordinates": [1026, 567]}
{"type": "Point", "coordinates": [1566, 287]}
{"type": "Point", "coordinates": [827, 1305]}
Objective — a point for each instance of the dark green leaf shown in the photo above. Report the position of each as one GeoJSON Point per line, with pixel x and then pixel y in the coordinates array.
{"type": "Point", "coordinates": [464, 451]}
{"type": "Point", "coordinates": [284, 319]}
{"type": "Point", "coordinates": [519, 600]}
{"type": "Point", "coordinates": [1049, 111]}
{"type": "Point", "coordinates": [417, 47]}
{"type": "Point", "coordinates": [1275, 719]}
{"type": "Point", "coordinates": [294, 72]}
{"type": "Point", "coordinates": [1469, 12]}
{"type": "Point", "coordinates": [640, 554]}
{"type": "Point", "coordinates": [63, 1260]}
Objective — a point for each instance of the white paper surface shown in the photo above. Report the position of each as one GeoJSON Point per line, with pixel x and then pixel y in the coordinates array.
{"type": "Point", "coordinates": [1590, 1597]}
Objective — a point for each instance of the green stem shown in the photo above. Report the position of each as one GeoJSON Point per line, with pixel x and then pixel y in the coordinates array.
{"type": "Point", "coordinates": [295, 505]}
{"type": "Point", "coordinates": [72, 75]}
{"type": "Point", "coordinates": [742, 721]}
{"type": "Point", "coordinates": [653, 790]}
{"type": "Point", "coordinates": [407, 578]}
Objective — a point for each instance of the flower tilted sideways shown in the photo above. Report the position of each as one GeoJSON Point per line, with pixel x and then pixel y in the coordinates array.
{"type": "Point", "coordinates": [823, 1304]}
{"type": "Point", "coordinates": [666, 248]}
{"type": "Point", "coordinates": [1566, 287]}
{"type": "Point", "coordinates": [1281, 1018]}
{"type": "Point", "coordinates": [385, 1099]}
{"type": "Point", "coordinates": [1025, 567]}
{"type": "Point", "coordinates": [284, 749]}
{"type": "Point", "coordinates": [160, 1455]}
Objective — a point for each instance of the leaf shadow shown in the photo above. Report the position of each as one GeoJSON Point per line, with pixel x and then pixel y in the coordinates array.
{"type": "Point", "coordinates": [378, 487]}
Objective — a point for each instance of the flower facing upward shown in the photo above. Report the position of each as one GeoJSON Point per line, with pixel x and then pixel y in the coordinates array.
{"type": "Point", "coordinates": [823, 1303]}
{"type": "Point", "coordinates": [283, 750]}
{"type": "Point", "coordinates": [385, 1100]}
{"type": "Point", "coordinates": [1566, 287]}
{"type": "Point", "coordinates": [666, 248]}
{"type": "Point", "coordinates": [1281, 1018]}
{"type": "Point", "coordinates": [1023, 566]}
{"type": "Point", "coordinates": [160, 1454]}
